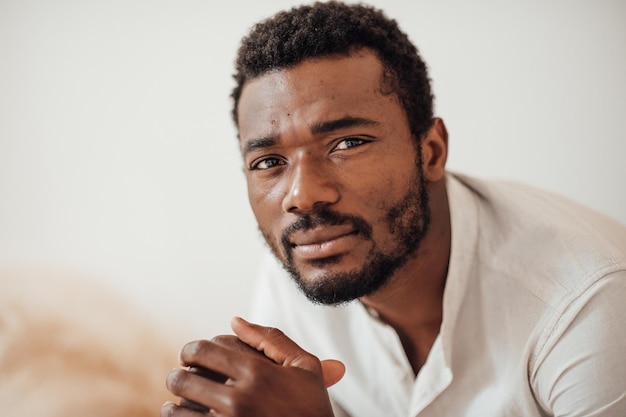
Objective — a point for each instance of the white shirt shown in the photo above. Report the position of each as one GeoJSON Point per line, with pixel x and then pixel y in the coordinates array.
{"type": "Point", "coordinates": [534, 320]}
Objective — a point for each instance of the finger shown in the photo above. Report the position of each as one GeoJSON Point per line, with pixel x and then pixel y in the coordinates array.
{"type": "Point", "coordinates": [284, 351]}
{"type": "Point", "coordinates": [169, 409]}
{"type": "Point", "coordinates": [202, 392]}
{"type": "Point", "coordinates": [234, 343]}
{"type": "Point", "coordinates": [193, 406]}
{"type": "Point", "coordinates": [275, 345]}
{"type": "Point", "coordinates": [207, 373]}
{"type": "Point", "coordinates": [215, 361]}
{"type": "Point", "coordinates": [231, 342]}
{"type": "Point", "coordinates": [333, 370]}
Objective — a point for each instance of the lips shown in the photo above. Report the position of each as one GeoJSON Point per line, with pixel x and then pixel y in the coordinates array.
{"type": "Point", "coordinates": [323, 242]}
{"type": "Point", "coordinates": [320, 235]}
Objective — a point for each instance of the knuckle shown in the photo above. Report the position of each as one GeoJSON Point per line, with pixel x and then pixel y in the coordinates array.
{"type": "Point", "coordinates": [256, 375]}
{"type": "Point", "coordinates": [272, 336]}
{"type": "Point", "coordinates": [273, 333]}
{"type": "Point", "coordinates": [239, 406]}
{"type": "Point", "coordinates": [226, 341]}
{"type": "Point", "coordinates": [236, 344]}
{"type": "Point", "coordinates": [192, 352]}
{"type": "Point", "coordinates": [308, 356]}
{"type": "Point", "coordinates": [228, 404]}
{"type": "Point", "coordinates": [303, 359]}
{"type": "Point", "coordinates": [253, 370]}
{"type": "Point", "coordinates": [167, 410]}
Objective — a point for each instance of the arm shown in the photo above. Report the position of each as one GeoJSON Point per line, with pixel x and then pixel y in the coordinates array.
{"type": "Point", "coordinates": [292, 382]}
{"type": "Point", "coordinates": [581, 370]}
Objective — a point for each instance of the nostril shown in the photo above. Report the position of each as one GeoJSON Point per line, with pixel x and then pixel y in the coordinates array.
{"type": "Point", "coordinates": [309, 187]}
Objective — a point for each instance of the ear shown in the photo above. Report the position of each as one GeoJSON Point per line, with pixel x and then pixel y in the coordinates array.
{"type": "Point", "coordinates": [435, 151]}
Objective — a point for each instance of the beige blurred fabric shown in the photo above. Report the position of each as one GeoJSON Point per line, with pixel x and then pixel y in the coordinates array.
{"type": "Point", "coordinates": [70, 348]}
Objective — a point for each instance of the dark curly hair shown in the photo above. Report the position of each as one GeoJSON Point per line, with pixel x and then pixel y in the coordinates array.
{"type": "Point", "coordinates": [333, 28]}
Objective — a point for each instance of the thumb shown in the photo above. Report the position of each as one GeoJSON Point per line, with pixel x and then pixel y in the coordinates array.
{"type": "Point", "coordinates": [284, 351]}
{"type": "Point", "coordinates": [333, 371]}
{"type": "Point", "coordinates": [273, 343]}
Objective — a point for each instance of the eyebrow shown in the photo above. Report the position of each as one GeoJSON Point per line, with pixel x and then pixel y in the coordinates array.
{"type": "Point", "coordinates": [316, 129]}
{"type": "Point", "coordinates": [342, 123]}
{"type": "Point", "coordinates": [260, 143]}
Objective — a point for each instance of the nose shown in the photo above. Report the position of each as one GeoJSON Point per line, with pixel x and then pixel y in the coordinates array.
{"type": "Point", "coordinates": [309, 186]}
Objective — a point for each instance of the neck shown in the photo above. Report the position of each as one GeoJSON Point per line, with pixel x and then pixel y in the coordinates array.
{"type": "Point", "coordinates": [412, 302]}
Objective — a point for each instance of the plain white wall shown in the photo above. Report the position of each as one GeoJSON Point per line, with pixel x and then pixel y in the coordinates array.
{"type": "Point", "coordinates": [118, 159]}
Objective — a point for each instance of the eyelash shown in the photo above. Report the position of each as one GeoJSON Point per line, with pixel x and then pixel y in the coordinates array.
{"type": "Point", "coordinates": [255, 165]}
{"type": "Point", "coordinates": [358, 140]}
{"type": "Point", "coordinates": [356, 143]}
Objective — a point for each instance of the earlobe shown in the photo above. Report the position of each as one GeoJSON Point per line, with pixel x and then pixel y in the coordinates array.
{"type": "Point", "coordinates": [435, 151]}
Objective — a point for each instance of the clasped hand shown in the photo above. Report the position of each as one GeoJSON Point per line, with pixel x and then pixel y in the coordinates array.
{"type": "Point", "coordinates": [260, 372]}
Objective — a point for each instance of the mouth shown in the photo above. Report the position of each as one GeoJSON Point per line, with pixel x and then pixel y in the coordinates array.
{"type": "Point", "coordinates": [323, 242]}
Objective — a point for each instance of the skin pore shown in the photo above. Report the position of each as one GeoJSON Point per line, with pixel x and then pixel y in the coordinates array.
{"type": "Point", "coordinates": [337, 189]}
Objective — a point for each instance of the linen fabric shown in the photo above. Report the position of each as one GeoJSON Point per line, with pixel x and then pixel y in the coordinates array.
{"type": "Point", "coordinates": [534, 316]}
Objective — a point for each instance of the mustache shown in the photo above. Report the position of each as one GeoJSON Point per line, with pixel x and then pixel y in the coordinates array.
{"type": "Point", "coordinates": [325, 217]}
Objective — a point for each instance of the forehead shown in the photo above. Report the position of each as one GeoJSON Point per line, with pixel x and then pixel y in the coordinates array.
{"type": "Point", "coordinates": [312, 92]}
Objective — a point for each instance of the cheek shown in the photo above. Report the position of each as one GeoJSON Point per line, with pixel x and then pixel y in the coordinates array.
{"type": "Point", "coordinates": [267, 210]}
{"type": "Point", "coordinates": [378, 193]}
{"type": "Point", "coordinates": [384, 193]}
{"type": "Point", "coordinates": [385, 179]}
{"type": "Point", "coordinates": [265, 205]}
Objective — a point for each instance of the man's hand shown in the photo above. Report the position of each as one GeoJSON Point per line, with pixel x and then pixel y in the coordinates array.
{"type": "Point", "coordinates": [266, 375]}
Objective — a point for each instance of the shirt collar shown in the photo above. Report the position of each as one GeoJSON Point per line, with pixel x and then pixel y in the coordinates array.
{"type": "Point", "coordinates": [463, 252]}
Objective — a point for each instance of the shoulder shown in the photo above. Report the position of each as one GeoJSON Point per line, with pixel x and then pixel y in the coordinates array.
{"type": "Point", "coordinates": [560, 270]}
{"type": "Point", "coordinates": [507, 204]}
{"type": "Point", "coordinates": [578, 366]}
{"type": "Point", "coordinates": [539, 235]}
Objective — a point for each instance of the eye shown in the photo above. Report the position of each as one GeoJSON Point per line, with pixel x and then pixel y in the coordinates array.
{"type": "Point", "coordinates": [348, 143]}
{"type": "Point", "coordinates": [266, 163]}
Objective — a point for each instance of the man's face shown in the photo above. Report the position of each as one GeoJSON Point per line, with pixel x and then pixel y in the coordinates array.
{"type": "Point", "coordinates": [334, 178]}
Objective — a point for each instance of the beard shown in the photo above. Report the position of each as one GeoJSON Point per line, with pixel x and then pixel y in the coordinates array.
{"type": "Point", "coordinates": [407, 221]}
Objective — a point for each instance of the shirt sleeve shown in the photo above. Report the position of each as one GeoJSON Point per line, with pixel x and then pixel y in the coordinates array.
{"type": "Point", "coordinates": [582, 366]}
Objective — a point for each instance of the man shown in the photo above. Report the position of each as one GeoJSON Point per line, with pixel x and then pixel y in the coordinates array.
{"type": "Point", "coordinates": [440, 295]}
